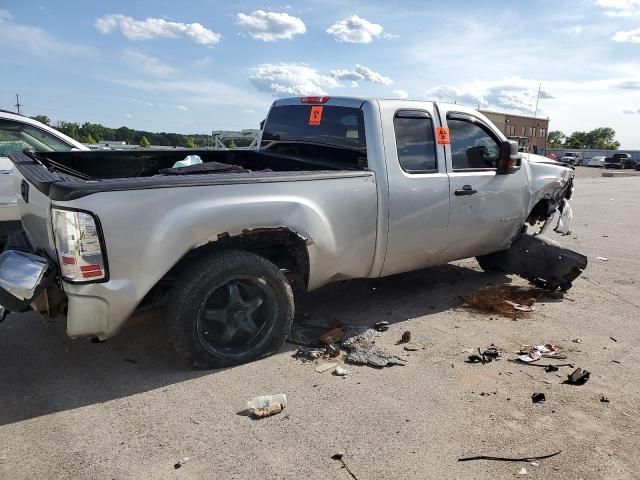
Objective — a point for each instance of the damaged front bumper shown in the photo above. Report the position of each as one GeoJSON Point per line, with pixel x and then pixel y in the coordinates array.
{"type": "Point", "coordinates": [24, 278]}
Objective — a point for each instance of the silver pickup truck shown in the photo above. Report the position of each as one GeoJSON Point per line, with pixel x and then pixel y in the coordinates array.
{"type": "Point", "coordinates": [340, 188]}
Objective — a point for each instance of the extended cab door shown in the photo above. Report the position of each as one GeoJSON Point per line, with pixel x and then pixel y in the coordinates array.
{"type": "Point", "coordinates": [418, 187]}
{"type": "Point", "coordinates": [487, 209]}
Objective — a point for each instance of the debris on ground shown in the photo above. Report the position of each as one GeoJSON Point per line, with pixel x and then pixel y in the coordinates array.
{"type": "Point", "coordinates": [309, 354]}
{"type": "Point", "coordinates": [333, 336]}
{"type": "Point", "coordinates": [363, 350]}
{"type": "Point", "coordinates": [325, 367]}
{"type": "Point", "coordinates": [340, 457]}
{"type": "Point", "coordinates": [604, 399]}
{"type": "Point", "coordinates": [538, 398]}
{"type": "Point", "coordinates": [523, 471]}
{"type": "Point", "coordinates": [410, 348]}
{"type": "Point", "coordinates": [509, 459]}
{"type": "Point", "coordinates": [181, 462]}
{"type": "Point", "coordinates": [540, 260]}
{"type": "Point", "coordinates": [266, 405]}
{"type": "Point", "coordinates": [604, 259]}
{"type": "Point", "coordinates": [533, 353]}
{"type": "Point", "coordinates": [311, 335]}
{"type": "Point", "coordinates": [485, 356]}
{"type": "Point", "coordinates": [551, 368]}
{"type": "Point", "coordinates": [406, 337]}
{"type": "Point", "coordinates": [503, 300]}
{"type": "Point", "coordinates": [615, 340]}
{"type": "Point", "coordinates": [381, 326]}
{"type": "Point", "coordinates": [341, 372]}
{"type": "Point", "coordinates": [577, 340]}
{"type": "Point", "coordinates": [578, 377]}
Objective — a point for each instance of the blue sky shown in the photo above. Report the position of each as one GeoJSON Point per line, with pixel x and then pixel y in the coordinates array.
{"type": "Point", "coordinates": [193, 67]}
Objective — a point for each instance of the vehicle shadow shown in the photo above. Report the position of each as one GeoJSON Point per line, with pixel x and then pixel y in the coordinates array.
{"type": "Point", "coordinates": [42, 371]}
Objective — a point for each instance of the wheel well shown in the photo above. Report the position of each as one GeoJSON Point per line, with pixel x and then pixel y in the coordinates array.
{"type": "Point", "coordinates": [281, 246]}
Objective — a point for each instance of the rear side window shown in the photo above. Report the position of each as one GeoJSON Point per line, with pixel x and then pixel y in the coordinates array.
{"type": "Point", "coordinates": [17, 137]}
{"type": "Point", "coordinates": [415, 142]}
{"type": "Point", "coordinates": [472, 146]}
{"type": "Point", "coordinates": [320, 124]}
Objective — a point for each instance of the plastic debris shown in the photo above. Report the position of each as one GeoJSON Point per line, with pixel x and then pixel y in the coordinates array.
{"type": "Point", "coordinates": [577, 340]}
{"type": "Point", "coordinates": [536, 352]}
{"type": "Point", "coordinates": [266, 405]}
{"type": "Point", "coordinates": [604, 399]}
{"type": "Point", "coordinates": [181, 462]}
{"type": "Point", "coordinates": [188, 161]}
{"type": "Point", "coordinates": [564, 220]}
{"type": "Point", "coordinates": [509, 459]}
{"type": "Point", "coordinates": [523, 471]}
{"type": "Point", "coordinates": [551, 368]}
{"type": "Point", "coordinates": [485, 356]}
{"type": "Point", "coordinates": [410, 348]}
{"type": "Point", "coordinates": [325, 367]}
{"type": "Point", "coordinates": [604, 259]}
{"type": "Point", "coordinates": [578, 377]}
{"type": "Point", "coordinates": [538, 398]}
{"type": "Point", "coordinates": [381, 326]}
{"type": "Point", "coordinates": [534, 464]}
{"type": "Point", "coordinates": [341, 372]}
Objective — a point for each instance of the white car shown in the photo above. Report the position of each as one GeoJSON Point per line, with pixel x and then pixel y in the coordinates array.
{"type": "Point", "coordinates": [18, 133]}
{"type": "Point", "coordinates": [596, 161]}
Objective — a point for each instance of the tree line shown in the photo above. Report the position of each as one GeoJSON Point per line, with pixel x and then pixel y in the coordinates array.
{"type": "Point", "coordinates": [603, 138]}
{"type": "Point", "coordinates": [91, 133]}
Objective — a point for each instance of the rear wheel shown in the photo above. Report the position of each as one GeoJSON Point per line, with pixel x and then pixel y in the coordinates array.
{"type": "Point", "coordinates": [229, 308]}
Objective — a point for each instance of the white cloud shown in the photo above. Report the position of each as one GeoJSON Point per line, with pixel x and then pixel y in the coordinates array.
{"type": "Point", "coordinates": [128, 115]}
{"type": "Point", "coordinates": [147, 64]}
{"type": "Point", "coordinates": [156, 27]}
{"type": "Point", "coordinates": [359, 73]}
{"type": "Point", "coordinates": [354, 29]}
{"type": "Point", "coordinates": [35, 40]}
{"type": "Point", "coordinates": [629, 36]}
{"type": "Point", "coordinates": [628, 111]}
{"type": "Point", "coordinates": [182, 107]}
{"type": "Point", "coordinates": [291, 79]}
{"type": "Point", "coordinates": [516, 95]}
{"type": "Point", "coordinates": [627, 84]}
{"type": "Point", "coordinates": [619, 13]}
{"type": "Point", "coordinates": [574, 30]}
{"type": "Point", "coordinates": [402, 94]}
{"type": "Point", "coordinates": [271, 26]}
{"type": "Point", "coordinates": [618, 4]}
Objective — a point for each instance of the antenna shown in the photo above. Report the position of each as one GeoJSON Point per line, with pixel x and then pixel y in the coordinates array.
{"type": "Point", "coordinates": [18, 104]}
{"type": "Point", "coordinates": [535, 114]}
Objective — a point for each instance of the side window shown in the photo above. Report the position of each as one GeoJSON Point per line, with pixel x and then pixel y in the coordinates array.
{"type": "Point", "coordinates": [17, 137]}
{"type": "Point", "coordinates": [415, 142]}
{"type": "Point", "coordinates": [471, 145]}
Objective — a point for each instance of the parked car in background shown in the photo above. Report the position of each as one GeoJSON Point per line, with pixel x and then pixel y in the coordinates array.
{"type": "Point", "coordinates": [597, 161]}
{"type": "Point", "coordinates": [17, 134]}
{"type": "Point", "coordinates": [620, 160]}
{"type": "Point", "coordinates": [571, 158]}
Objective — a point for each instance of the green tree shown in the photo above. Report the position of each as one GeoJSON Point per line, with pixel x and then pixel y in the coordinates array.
{"type": "Point", "coordinates": [90, 140]}
{"type": "Point", "coordinates": [144, 142]}
{"type": "Point", "coordinates": [189, 143]}
{"type": "Point", "coordinates": [42, 119]}
{"type": "Point", "coordinates": [231, 143]}
{"type": "Point", "coordinates": [576, 140]}
{"type": "Point", "coordinates": [602, 138]}
{"type": "Point", "coordinates": [556, 139]}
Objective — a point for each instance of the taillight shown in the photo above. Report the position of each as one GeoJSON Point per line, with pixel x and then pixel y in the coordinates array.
{"type": "Point", "coordinates": [79, 246]}
{"type": "Point", "coordinates": [314, 99]}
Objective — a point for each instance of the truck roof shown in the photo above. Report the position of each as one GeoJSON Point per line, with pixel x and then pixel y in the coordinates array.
{"type": "Point", "coordinates": [354, 102]}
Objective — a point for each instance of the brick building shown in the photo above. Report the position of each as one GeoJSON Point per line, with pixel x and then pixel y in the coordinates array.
{"type": "Point", "coordinates": [530, 133]}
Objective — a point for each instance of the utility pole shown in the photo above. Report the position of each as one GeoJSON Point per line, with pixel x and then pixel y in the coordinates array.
{"type": "Point", "coordinates": [18, 104]}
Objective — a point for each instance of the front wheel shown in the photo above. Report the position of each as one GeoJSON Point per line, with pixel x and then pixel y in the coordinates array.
{"type": "Point", "coordinates": [229, 308]}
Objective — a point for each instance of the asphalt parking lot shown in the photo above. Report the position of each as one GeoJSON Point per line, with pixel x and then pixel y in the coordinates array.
{"type": "Point", "coordinates": [126, 409]}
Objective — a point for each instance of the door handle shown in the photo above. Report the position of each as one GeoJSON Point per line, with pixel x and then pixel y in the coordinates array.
{"type": "Point", "coordinates": [465, 190]}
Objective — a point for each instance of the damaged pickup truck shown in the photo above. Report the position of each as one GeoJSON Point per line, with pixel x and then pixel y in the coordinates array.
{"type": "Point", "coordinates": [340, 188]}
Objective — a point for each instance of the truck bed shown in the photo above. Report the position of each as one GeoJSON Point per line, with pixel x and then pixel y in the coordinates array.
{"type": "Point", "coordinates": [69, 175]}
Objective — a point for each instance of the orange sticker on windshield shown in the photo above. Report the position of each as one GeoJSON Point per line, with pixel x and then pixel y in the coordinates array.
{"type": "Point", "coordinates": [443, 136]}
{"type": "Point", "coordinates": [315, 117]}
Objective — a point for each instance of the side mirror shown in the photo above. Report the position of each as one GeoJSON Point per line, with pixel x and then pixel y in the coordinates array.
{"type": "Point", "coordinates": [510, 159]}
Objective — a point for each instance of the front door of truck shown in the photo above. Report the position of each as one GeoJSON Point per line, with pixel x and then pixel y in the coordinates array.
{"type": "Point", "coordinates": [418, 188]}
{"type": "Point", "coordinates": [487, 209]}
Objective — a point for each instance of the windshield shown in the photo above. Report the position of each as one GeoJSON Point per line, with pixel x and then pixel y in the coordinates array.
{"type": "Point", "coordinates": [323, 124]}
{"type": "Point", "coordinates": [18, 137]}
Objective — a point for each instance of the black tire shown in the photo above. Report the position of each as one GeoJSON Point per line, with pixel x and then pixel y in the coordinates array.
{"type": "Point", "coordinates": [209, 302]}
